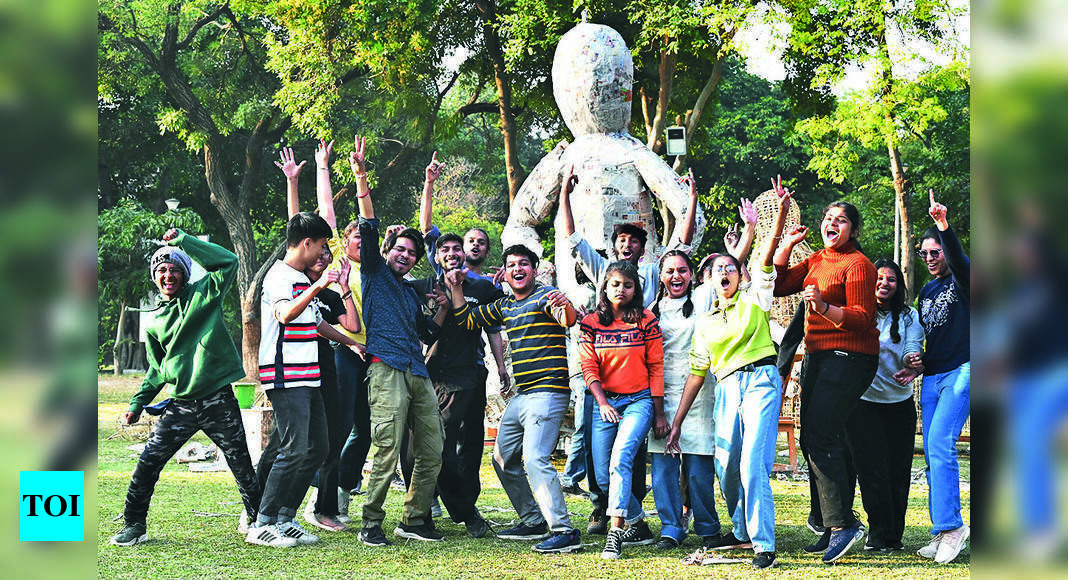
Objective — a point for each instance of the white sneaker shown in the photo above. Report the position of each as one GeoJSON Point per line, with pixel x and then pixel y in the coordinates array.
{"type": "Point", "coordinates": [952, 543]}
{"type": "Point", "coordinates": [269, 535]}
{"type": "Point", "coordinates": [309, 508]}
{"type": "Point", "coordinates": [293, 530]}
{"type": "Point", "coordinates": [931, 550]}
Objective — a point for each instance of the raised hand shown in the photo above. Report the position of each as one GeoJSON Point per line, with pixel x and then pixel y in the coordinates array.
{"type": "Point", "coordinates": [170, 235]}
{"type": "Point", "coordinates": [796, 235]}
{"type": "Point", "coordinates": [287, 164]}
{"type": "Point", "coordinates": [731, 238]}
{"type": "Point", "coordinates": [747, 211]}
{"type": "Point", "coordinates": [570, 181]}
{"type": "Point", "coordinates": [938, 213]}
{"type": "Point", "coordinates": [434, 169]}
{"type": "Point", "coordinates": [322, 153]}
{"type": "Point", "coordinates": [357, 159]}
{"type": "Point", "coordinates": [688, 180]}
{"type": "Point", "coordinates": [345, 270]}
{"type": "Point", "coordinates": [395, 228]}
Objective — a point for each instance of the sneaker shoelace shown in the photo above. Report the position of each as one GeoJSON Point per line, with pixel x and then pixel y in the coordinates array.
{"type": "Point", "coordinates": [613, 542]}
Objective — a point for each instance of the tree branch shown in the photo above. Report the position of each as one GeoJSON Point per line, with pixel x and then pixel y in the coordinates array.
{"type": "Point", "coordinates": [203, 21]}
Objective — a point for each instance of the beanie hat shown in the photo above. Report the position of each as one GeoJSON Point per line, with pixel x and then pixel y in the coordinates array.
{"type": "Point", "coordinates": [171, 255]}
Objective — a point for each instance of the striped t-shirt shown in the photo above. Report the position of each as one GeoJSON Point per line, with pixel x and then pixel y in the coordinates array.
{"type": "Point", "coordinates": [537, 337]}
{"type": "Point", "coordinates": [289, 355]}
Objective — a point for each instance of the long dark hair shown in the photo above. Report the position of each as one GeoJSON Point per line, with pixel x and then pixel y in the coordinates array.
{"type": "Point", "coordinates": [853, 215]}
{"type": "Point", "coordinates": [687, 307]}
{"type": "Point", "coordinates": [632, 312]}
{"type": "Point", "coordinates": [899, 299]}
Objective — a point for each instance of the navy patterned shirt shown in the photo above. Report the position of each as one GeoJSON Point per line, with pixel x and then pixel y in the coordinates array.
{"type": "Point", "coordinates": [392, 310]}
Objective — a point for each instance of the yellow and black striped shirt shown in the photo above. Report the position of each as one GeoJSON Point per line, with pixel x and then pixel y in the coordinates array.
{"type": "Point", "coordinates": [537, 337]}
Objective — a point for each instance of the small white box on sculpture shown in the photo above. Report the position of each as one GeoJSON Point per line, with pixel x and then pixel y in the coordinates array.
{"type": "Point", "coordinates": [676, 140]}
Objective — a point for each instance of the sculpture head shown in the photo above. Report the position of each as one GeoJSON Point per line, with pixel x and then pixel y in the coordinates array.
{"type": "Point", "coordinates": [593, 78]}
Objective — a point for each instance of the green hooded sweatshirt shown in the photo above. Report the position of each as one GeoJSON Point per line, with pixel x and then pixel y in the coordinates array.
{"type": "Point", "coordinates": [187, 343]}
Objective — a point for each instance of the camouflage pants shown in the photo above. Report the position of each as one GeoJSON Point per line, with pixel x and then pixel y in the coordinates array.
{"type": "Point", "coordinates": [220, 418]}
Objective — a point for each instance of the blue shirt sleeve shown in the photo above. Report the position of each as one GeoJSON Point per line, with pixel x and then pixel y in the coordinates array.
{"type": "Point", "coordinates": [370, 259]}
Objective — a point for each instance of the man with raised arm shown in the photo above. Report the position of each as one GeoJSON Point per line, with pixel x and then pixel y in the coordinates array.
{"type": "Point", "coordinates": [400, 393]}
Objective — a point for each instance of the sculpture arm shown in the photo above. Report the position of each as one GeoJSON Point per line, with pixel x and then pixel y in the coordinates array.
{"type": "Point", "coordinates": [534, 201]}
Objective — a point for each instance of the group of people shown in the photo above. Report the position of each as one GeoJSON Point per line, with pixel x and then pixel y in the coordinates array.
{"type": "Point", "coordinates": [355, 352]}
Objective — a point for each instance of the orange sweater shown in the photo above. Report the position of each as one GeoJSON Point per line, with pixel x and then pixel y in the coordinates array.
{"type": "Point", "coordinates": [625, 358]}
{"type": "Point", "coordinates": [846, 279]}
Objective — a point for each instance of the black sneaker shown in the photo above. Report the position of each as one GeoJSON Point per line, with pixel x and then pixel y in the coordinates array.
{"type": "Point", "coordinates": [821, 544]}
{"type": "Point", "coordinates": [423, 532]}
{"type": "Point", "coordinates": [667, 543]}
{"type": "Point", "coordinates": [815, 528]}
{"type": "Point", "coordinates": [725, 542]}
{"type": "Point", "coordinates": [575, 489]}
{"type": "Point", "coordinates": [638, 535]}
{"type": "Point", "coordinates": [841, 541]}
{"type": "Point", "coordinates": [477, 527]}
{"type": "Point", "coordinates": [374, 536]}
{"type": "Point", "coordinates": [598, 524]}
{"type": "Point", "coordinates": [130, 535]}
{"type": "Point", "coordinates": [613, 545]}
{"type": "Point", "coordinates": [560, 542]}
{"type": "Point", "coordinates": [765, 560]}
{"type": "Point", "coordinates": [525, 532]}
{"type": "Point", "coordinates": [358, 490]}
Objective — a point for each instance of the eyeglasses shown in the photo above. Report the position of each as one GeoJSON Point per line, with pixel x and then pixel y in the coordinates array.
{"type": "Point", "coordinates": [935, 253]}
{"type": "Point", "coordinates": [729, 268]}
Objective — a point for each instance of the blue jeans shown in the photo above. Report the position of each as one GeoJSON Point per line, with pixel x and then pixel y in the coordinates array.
{"type": "Point", "coordinates": [526, 438]}
{"type": "Point", "coordinates": [668, 471]}
{"type": "Point", "coordinates": [614, 446]}
{"type": "Point", "coordinates": [945, 401]}
{"type": "Point", "coordinates": [575, 469]}
{"type": "Point", "coordinates": [1039, 406]}
{"type": "Point", "coordinates": [302, 444]}
{"type": "Point", "coordinates": [747, 424]}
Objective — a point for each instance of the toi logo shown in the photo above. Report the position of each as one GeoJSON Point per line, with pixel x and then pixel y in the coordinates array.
{"type": "Point", "coordinates": [52, 506]}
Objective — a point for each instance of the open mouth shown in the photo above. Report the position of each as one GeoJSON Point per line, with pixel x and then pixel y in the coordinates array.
{"type": "Point", "coordinates": [724, 282]}
{"type": "Point", "coordinates": [831, 236]}
{"type": "Point", "coordinates": [626, 254]}
{"type": "Point", "coordinates": [676, 286]}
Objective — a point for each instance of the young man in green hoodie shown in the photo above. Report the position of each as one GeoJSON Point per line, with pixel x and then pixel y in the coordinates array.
{"type": "Point", "coordinates": [188, 348]}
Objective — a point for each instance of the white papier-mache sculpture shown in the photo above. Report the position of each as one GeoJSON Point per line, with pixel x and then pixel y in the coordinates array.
{"type": "Point", "coordinates": [593, 77]}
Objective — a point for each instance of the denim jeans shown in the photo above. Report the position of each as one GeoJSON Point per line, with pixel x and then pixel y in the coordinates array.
{"type": "Point", "coordinates": [831, 385]}
{"type": "Point", "coordinates": [747, 424]}
{"type": "Point", "coordinates": [668, 471]}
{"type": "Point", "coordinates": [575, 468]}
{"type": "Point", "coordinates": [945, 401]}
{"type": "Point", "coordinates": [1039, 405]}
{"type": "Point", "coordinates": [302, 444]}
{"type": "Point", "coordinates": [352, 386]}
{"type": "Point", "coordinates": [614, 446]}
{"type": "Point", "coordinates": [526, 438]}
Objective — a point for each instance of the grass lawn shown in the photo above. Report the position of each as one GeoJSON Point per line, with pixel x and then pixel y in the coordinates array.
{"type": "Point", "coordinates": [187, 543]}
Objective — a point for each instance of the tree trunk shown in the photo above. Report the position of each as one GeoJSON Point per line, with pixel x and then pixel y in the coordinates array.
{"type": "Point", "coordinates": [513, 170]}
{"type": "Point", "coordinates": [901, 200]}
{"type": "Point", "coordinates": [240, 230]}
{"type": "Point", "coordinates": [116, 350]}
{"type": "Point", "coordinates": [653, 139]}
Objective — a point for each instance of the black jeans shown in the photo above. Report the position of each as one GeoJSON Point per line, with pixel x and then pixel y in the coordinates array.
{"type": "Point", "coordinates": [220, 418]}
{"type": "Point", "coordinates": [831, 385]}
{"type": "Point", "coordinates": [882, 437]}
{"type": "Point", "coordinates": [352, 384]}
{"type": "Point", "coordinates": [338, 408]}
{"type": "Point", "coordinates": [299, 444]}
{"type": "Point", "coordinates": [463, 414]}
